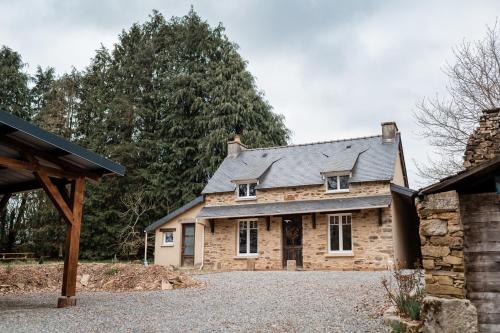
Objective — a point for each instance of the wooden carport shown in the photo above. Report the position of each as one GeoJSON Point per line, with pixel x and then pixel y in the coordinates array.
{"type": "Point", "coordinates": [32, 158]}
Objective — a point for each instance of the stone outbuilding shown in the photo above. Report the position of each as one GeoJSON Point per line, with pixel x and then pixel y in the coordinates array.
{"type": "Point", "coordinates": [460, 238]}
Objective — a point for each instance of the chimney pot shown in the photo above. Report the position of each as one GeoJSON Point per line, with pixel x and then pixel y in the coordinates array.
{"type": "Point", "coordinates": [389, 130]}
{"type": "Point", "coordinates": [235, 147]}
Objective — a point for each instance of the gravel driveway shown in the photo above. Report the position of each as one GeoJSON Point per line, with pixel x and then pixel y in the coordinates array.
{"type": "Point", "coordinates": [232, 302]}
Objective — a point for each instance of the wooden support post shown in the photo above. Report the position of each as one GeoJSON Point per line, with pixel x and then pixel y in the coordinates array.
{"type": "Point", "coordinates": [313, 219]}
{"type": "Point", "coordinates": [72, 245]}
{"type": "Point", "coordinates": [71, 208]}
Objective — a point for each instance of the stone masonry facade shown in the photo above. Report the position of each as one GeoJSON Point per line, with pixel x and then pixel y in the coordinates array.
{"type": "Point", "coordinates": [484, 143]}
{"type": "Point", "coordinates": [299, 193]}
{"type": "Point", "coordinates": [372, 233]}
{"type": "Point", "coordinates": [442, 244]}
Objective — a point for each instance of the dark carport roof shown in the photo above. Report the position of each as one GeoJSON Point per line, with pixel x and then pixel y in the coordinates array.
{"type": "Point", "coordinates": [174, 214]}
{"type": "Point", "coordinates": [16, 132]}
{"type": "Point", "coordinates": [295, 207]}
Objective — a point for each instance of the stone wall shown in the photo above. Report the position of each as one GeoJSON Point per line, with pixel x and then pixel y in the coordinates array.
{"type": "Point", "coordinates": [484, 143]}
{"type": "Point", "coordinates": [220, 247]}
{"type": "Point", "coordinates": [299, 193]}
{"type": "Point", "coordinates": [372, 244]}
{"type": "Point", "coordinates": [442, 243]}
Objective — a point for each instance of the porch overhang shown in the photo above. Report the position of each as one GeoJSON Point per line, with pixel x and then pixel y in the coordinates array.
{"type": "Point", "coordinates": [295, 207]}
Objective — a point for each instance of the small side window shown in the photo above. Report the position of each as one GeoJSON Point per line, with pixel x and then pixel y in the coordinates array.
{"type": "Point", "coordinates": [168, 238]}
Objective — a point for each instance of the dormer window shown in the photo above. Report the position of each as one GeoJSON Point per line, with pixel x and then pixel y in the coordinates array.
{"type": "Point", "coordinates": [246, 190]}
{"type": "Point", "coordinates": [337, 183]}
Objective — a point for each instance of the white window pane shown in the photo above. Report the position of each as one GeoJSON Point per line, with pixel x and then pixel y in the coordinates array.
{"type": "Point", "coordinates": [346, 237]}
{"type": "Point", "coordinates": [334, 238]}
{"type": "Point", "coordinates": [169, 237]}
{"type": "Point", "coordinates": [253, 240]}
{"type": "Point", "coordinates": [243, 241]}
{"type": "Point", "coordinates": [251, 189]}
{"type": "Point", "coordinates": [343, 182]}
{"type": "Point", "coordinates": [332, 183]}
{"type": "Point", "coordinates": [242, 190]}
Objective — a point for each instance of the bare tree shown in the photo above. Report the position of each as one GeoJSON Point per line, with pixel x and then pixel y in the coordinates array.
{"type": "Point", "coordinates": [474, 85]}
{"type": "Point", "coordinates": [130, 237]}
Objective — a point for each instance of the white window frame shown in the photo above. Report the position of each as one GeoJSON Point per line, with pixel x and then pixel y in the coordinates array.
{"type": "Point", "coordinates": [338, 175]}
{"type": "Point", "coordinates": [165, 235]}
{"type": "Point", "coordinates": [247, 183]}
{"type": "Point", "coordinates": [341, 240]}
{"type": "Point", "coordinates": [247, 254]}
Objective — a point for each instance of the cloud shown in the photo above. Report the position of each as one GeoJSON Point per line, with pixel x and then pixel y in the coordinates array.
{"type": "Point", "coordinates": [335, 69]}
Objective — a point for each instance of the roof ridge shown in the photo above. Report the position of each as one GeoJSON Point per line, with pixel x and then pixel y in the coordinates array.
{"type": "Point", "coordinates": [315, 143]}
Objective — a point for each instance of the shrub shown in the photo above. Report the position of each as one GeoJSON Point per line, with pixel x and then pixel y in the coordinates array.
{"type": "Point", "coordinates": [111, 271]}
{"type": "Point", "coordinates": [398, 328]}
{"type": "Point", "coordinates": [405, 290]}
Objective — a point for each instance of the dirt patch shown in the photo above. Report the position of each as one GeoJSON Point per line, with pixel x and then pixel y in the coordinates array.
{"type": "Point", "coordinates": [93, 277]}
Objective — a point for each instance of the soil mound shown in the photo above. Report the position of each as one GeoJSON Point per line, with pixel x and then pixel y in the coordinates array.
{"type": "Point", "coordinates": [117, 277]}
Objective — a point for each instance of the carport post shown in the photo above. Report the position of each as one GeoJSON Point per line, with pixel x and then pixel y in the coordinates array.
{"type": "Point", "coordinates": [71, 208]}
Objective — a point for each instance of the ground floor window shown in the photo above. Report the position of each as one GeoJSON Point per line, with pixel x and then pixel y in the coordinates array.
{"type": "Point", "coordinates": [247, 237]}
{"type": "Point", "coordinates": [340, 233]}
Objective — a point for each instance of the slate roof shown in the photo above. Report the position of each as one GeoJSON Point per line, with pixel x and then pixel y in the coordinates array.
{"type": "Point", "coordinates": [299, 165]}
{"type": "Point", "coordinates": [174, 214]}
{"type": "Point", "coordinates": [295, 207]}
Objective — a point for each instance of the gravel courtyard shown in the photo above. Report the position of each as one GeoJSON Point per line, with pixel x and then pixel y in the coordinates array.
{"type": "Point", "coordinates": [231, 302]}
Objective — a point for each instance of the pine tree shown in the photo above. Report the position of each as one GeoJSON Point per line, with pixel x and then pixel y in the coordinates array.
{"type": "Point", "coordinates": [14, 91]}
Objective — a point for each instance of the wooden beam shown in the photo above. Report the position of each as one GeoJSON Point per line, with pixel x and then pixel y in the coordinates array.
{"type": "Point", "coordinates": [55, 196]}
{"type": "Point", "coordinates": [4, 201]}
{"type": "Point", "coordinates": [313, 220]}
{"type": "Point", "coordinates": [13, 163]}
{"type": "Point", "coordinates": [72, 244]}
{"type": "Point", "coordinates": [50, 156]}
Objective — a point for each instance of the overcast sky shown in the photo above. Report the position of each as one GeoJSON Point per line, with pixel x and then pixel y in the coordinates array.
{"type": "Point", "coordinates": [334, 69]}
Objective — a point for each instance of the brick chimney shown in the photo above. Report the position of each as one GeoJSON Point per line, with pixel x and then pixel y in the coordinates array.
{"type": "Point", "coordinates": [235, 147]}
{"type": "Point", "coordinates": [484, 142]}
{"type": "Point", "coordinates": [389, 130]}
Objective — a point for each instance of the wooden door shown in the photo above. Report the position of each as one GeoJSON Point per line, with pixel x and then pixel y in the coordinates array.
{"type": "Point", "coordinates": [188, 233]}
{"type": "Point", "coordinates": [292, 239]}
{"type": "Point", "coordinates": [480, 214]}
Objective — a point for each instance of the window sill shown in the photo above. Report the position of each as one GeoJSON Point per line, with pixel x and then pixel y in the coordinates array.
{"type": "Point", "coordinates": [339, 254]}
{"type": "Point", "coordinates": [246, 257]}
{"type": "Point", "coordinates": [167, 245]}
{"type": "Point", "coordinates": [246, 199]}
{"type": "Point", "coordinates": [337, 191]}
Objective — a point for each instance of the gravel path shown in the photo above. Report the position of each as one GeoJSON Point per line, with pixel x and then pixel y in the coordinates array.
{"type": "Point", "coordinates": [232, 302]}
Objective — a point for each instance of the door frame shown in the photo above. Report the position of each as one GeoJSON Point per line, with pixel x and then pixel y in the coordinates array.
{"type": "Point", "coordinates": [184, 225]}
{"type": "Point", "coordinates": [283, 243]}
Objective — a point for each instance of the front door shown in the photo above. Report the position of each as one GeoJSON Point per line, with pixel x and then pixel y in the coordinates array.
{"type": "Point", "coordinates": [188, 244]}
{"type": "Point", "coordinates": [292, 239]}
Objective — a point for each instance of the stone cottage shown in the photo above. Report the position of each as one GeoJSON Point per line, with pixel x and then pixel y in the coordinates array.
{"type": "Point", "coordinates": [460, 238]}
{"type": "Point", "coordinates": [340, 205]}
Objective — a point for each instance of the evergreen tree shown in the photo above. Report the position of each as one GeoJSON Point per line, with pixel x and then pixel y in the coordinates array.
{"type": "Point", "coordinates": [14, 90]}
{"type": "Point", "coordinates": [162, 102]}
